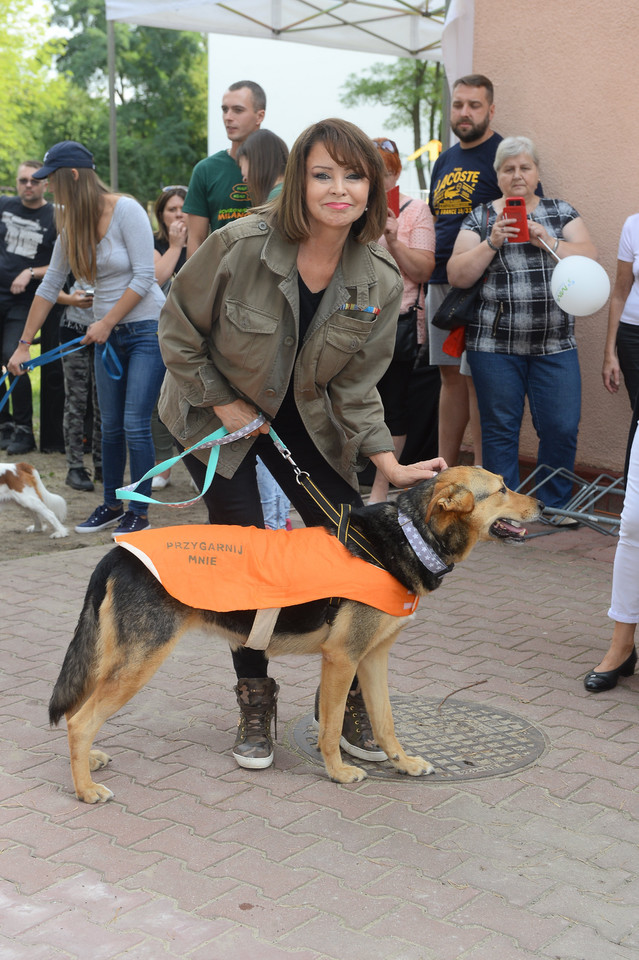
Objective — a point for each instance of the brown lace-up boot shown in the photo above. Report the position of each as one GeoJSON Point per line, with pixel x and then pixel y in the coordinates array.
{"type": "Point", "coordinates": [357, 734]}
{"type": "Point", "coordinates": [257, 700]}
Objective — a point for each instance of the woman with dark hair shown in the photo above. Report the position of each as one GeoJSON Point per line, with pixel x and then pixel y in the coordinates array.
{"type": "Point", "coordinates": [105, 239]}
{"type": "Point", "coordinates": [169, 256]}
{"type": "Point", "coordinates": [410, 237]}
{"type": "Point", "coordinates": [171, 235]}
{"type": "Point", "coordinates": [290, 312]}
{"type": "Point", "coordinates": [262, 159]}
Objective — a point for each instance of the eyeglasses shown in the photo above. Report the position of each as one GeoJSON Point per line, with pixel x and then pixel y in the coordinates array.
{"type": "Point", "coordinates": [175, 186]}
{"type": "Point", "coordinates": [23, 181]}
{"type": "Point", "coordinates": [387, 145]}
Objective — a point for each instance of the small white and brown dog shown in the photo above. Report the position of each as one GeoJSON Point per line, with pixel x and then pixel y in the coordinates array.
{"type": "Point", "coordinates": [20, 483]}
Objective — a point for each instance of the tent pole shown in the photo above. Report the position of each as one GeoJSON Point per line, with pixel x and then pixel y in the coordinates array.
{"type": "Point", "coordinates": [113, 143]}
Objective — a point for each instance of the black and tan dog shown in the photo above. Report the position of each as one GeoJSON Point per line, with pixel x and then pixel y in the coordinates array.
{"type": "Point", "coordinates": [129, 624]}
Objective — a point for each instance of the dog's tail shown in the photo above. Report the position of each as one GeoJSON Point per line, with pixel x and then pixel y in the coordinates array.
{"type": "Point", "coordinates": [52, 500]}
{"type": "Point", "coordinates": [77, 675]}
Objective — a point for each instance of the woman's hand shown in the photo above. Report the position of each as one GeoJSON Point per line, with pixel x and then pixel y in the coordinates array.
{"type": "Point", "coordinates": [178, 234]}
{"type": "Point", "coordinates": [504, 228]}
{"type": "Point", "coordinates": [391, 228]}
{"type": "Point", "coordinates": [20, 355]}
{"type": "Point", "coordinates": [611, 374]}
{"type": "Point", "coordinates": [238, 414]}
{"type": "Point", "coordinates": [412, 473]}
{"type": "Point", "coordinates": [80, 298]}
{"type": "Point", "coordinates": [401, 475]}
{"type": "Point", "coordinates": [98, 332]}
{"type": "Point", "coordinates": [539, 236]}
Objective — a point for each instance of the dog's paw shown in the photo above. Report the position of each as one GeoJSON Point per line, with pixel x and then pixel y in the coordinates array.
{"type": "Point", "coordinates": [58, 534]}
{"type": "Point", "coordinates": [96, 793]}
{"type": "Point", "coordinates": [347, 774]}
{"type": "Point", "coordinates": [31, 528]}
{"type": "Point", "coordinates": [98, 759]}
{"type": "Point", "coordinates": [412, 766]}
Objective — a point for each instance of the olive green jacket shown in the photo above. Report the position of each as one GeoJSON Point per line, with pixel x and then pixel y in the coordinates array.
{"type": "Point", "coordinates": [229, 330]}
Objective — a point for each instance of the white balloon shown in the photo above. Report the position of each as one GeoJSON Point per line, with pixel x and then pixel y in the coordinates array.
{"type": "Point", "coordinates": [580, 285]}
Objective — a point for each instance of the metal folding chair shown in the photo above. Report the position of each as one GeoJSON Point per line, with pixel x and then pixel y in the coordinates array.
{"type": "Point", "coordinates": [585, 504]}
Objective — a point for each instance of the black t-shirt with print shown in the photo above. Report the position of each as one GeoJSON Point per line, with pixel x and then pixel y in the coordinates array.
{"type": "Point", "coordinates": [27, 238]}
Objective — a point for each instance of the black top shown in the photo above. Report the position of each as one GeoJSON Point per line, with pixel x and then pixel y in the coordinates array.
{"type": "Point", "coordinates": [287, 422]}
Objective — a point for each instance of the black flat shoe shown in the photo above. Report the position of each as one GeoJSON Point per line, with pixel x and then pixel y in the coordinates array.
{"type": "Point", "coordinates": [606, 680]}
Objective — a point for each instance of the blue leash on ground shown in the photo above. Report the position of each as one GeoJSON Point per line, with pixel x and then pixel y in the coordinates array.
{"type": "Point", "coordinates": [110, 360]}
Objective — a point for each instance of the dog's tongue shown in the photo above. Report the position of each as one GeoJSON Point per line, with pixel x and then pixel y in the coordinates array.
{"type": "Point", "coordinates": [507, 529]}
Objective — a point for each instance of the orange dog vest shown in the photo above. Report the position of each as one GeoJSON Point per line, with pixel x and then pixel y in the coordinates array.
{"type": "Point", "coordinates": [245, 568]}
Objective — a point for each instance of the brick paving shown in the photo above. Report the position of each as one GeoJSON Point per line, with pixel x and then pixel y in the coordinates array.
{"type": "Point", "coordinates": [195, 858]}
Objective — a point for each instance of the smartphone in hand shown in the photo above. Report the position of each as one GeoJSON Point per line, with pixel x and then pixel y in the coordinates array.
{"type": "Point", "coordinates": [392, 197]}
{"type": "Point", "coordinates": [516, 209]}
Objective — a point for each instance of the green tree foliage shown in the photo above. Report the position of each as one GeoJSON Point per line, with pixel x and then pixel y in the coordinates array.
{"type": "Point", "coordinates": [412, 89]}
{"type": "Point", "coordinates": [160, 94]}
{"type": "Point", "coordinates": [28, 92]}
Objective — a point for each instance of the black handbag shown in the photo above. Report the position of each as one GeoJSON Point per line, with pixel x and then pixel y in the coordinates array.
{"type": "Point", "coordinates": [406, 345]}
{"type": "Point", "coordinates": [406, 337]}
{"type": "Point", "coordinates": [459, 306]}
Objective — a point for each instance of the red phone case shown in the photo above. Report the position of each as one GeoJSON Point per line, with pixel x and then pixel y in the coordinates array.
{"type": "Point", "coordinates": [392, 196]}
{"type": "Point", "coordinates": [516, 209]}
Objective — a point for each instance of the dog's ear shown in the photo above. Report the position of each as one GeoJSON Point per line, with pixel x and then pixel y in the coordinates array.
{"type": "Point", "coordinates": [451, 498]}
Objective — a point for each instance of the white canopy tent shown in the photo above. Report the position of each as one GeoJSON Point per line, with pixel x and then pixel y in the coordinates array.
{"type": "Point", "coordinates": [431, 30]}
{"type": "Point", "coordinates": [392, 27]}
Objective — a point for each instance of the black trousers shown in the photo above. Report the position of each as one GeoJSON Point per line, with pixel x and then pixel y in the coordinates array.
{"type": "Point", "coordinates": [423, 403]}
{"type": "Point", "coordinates": [238, 501]}
{"type": "Point", "coordinates": [628, 353]}
{"type": "Point", "coordinates": [21, 403]}
{"type": "Point", "coordinates": [51, 387]}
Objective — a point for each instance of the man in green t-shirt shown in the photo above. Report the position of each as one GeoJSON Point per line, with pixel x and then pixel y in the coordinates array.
{"type": "Point", "coordinates": [217, 193]}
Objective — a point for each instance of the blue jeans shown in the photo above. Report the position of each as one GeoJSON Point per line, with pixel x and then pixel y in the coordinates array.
{"type": "Point", "coordinates": [553, 387]}
{"type": "Point", "coordinates": [126, 406]}
{"type": "Point", "coordinates": [275, 504]}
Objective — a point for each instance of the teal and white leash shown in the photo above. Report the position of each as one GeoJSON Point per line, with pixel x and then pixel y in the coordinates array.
{"type": "Point", "coordinates": [213, 443]}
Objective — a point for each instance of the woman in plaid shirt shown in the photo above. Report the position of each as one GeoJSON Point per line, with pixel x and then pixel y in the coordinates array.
{"type": "Point", "coordinates": [521, 344]}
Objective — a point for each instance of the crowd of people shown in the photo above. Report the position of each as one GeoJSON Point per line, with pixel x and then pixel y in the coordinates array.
{"type": "Point", "coordinates": [302, 286]}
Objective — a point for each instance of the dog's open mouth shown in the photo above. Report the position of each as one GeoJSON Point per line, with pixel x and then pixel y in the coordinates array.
{"type": "Point", "coordinates": [507, 530]}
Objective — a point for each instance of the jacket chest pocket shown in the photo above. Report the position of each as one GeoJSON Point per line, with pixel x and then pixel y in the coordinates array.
{"type": "Point", "coordinates": [243, 336]}
{"type": "Point", "coordinates": [344, 337]}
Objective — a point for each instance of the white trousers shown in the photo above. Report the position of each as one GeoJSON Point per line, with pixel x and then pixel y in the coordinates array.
{"type": "Point", "coordinates": [624, 603]}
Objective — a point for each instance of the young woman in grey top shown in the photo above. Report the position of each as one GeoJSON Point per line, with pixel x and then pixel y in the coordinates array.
{"type": "Point", "coordinates": [106, 240]}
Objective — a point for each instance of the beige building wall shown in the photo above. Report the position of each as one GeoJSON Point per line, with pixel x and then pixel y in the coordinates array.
{"type": "Point", "coordinates": [566, 74]}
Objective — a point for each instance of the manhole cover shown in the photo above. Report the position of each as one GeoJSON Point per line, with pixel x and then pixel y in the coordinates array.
{"type": "Point", "coordinates": [463, 741]}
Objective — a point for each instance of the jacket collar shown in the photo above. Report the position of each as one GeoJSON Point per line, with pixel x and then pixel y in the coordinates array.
{"type": "Point", "coordinates": [356, 267]}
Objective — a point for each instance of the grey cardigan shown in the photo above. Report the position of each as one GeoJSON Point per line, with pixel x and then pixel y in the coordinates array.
{"type": "Point", "coordinates": [124, 259]}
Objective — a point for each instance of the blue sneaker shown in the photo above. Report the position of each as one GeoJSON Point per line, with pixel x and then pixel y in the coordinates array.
{"type": "Point", "coordinates": [131, 523]}
{"type": "Point", "coordinates": [101, 518]}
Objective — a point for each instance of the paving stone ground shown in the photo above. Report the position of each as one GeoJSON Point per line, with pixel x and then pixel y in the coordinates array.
{"type": "Point", "coordinates": [195, 858]}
